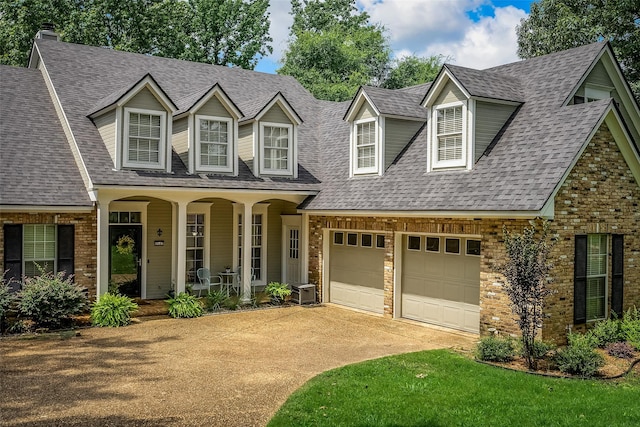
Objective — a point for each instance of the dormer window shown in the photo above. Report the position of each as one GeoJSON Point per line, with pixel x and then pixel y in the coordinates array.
{"type": "Point", "coordinates": [213, 139]}
{"type": "Point", "coordinates": [276, 146]}
{"type": "Point", "coordinates": [449, 148]}
{"type": "Point", "coordinates": [593, 94]}
{"type": "Point", "coordinates": [365, 147]}
{"type": "Point", "coordinates": [144, 138]}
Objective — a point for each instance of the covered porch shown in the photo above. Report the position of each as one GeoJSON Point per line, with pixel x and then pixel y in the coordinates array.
{"type": "Point", "coordinates": [153, 241]}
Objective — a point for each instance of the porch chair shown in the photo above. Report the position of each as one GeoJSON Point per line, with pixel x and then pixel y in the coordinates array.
{"type": "Point", "coordinates": [206, 281]}
{"type": "Point", "coordinates": [239, 284]}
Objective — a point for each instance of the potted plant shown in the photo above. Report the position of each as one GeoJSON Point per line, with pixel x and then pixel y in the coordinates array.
{"type": "Point", "coordinates": [277, 292]}
{"type": "Point", "coordinates": [227, 269]}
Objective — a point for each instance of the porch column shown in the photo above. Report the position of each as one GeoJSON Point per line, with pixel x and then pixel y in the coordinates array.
{"type": "Point", "coordinates": [247, 227]}
{"type": "Point", "coordinates": [181, 256]}
{"type": "Point", "coordinates": [102, 262]}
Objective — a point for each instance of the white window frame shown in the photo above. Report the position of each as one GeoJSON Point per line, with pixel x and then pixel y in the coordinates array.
{"type": "Point", "coordinates": [230, 144]}
{"type": "Point", "coordinates": [41, 261]}
{"type": "Point", "coordinates": [200, 208]}
{"type": "Point", "coordinates": [257, 209]}
{"type": "Point", "coordinates": [290, 150]}
{"type": "Point", "coordinates": [357, 239]}
{"type": "Point", "coordinates": [605, 275]}
{"type": "Point", "coordinates": [162, 144]}
{"type": "Point", "coordinates": [595, 93]}
{"type": "Point", "coordinates": [376, 146]}
{"type": "Point", "coordinates": [378, 246]}
{"type": "Point", "coordinates": [460, 249]}
{"type": "Point", "coordinates": [457, 163]}
{"type": "Point", "coordinates": [371, 242]}
{"type": "Point", "coordinates": [426, 245]}
{"type": "Point", "coordinates": [466, 247]}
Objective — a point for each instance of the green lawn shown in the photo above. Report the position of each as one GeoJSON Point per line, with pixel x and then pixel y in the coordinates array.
{"type": "Point", "coordinates": [441, 388]}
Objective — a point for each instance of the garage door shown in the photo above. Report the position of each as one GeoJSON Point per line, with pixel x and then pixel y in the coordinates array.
{"type": "Point", "coordinates": [441, 281]}
{"type": "Point", "coordinates": [356, 266]}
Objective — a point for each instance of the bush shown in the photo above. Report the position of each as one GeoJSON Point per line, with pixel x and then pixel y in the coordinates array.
{"type": "Point", "coordinates": [494, 349]}
{"type": "Point", "coordinates": [50, 299]}
{"type": "Point", "coordinates": [540, 349]}
{"type": "Point", "coordinates": [621, 350]}
{"type": "Point", "coordinates": [277, 291]}
{"type": "Point", "coordinates": [630, 327]}
{"type": "Point", "coordinates": [232, 303]}
{"type": "Point", "coordinates": [606, 332]}
{"type": "Point", "coordinates": [112, 310]}
{"type": "Point", "coordinates": [215, 300]}
{"type": "Point", "coordinates": [580, 357]}
{"type": "Point", "coordinates": [6, 297]}
{"type": "Point", "coordinates": [184, 305]}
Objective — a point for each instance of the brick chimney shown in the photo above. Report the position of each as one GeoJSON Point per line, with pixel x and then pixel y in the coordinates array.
{"type": "Point", "coordinates": [47, 33]}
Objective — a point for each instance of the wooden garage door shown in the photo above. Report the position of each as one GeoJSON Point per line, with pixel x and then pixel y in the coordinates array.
{"type": "Point", "coordinates": [356, 267]}
{"type": "Point", "coordinates": [441, 281]}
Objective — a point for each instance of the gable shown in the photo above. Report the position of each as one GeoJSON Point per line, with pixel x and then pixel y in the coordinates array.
{"type": "Point", "coordinates": [365, 112]}
{"type": "Point", "coordinates": [213, 107]}
{"type": "Point", "coordinates": [146, 100]}
{"type": "Point", "coordinates": [450, 93]}
{"type": "Point", "coordinates": [275, 114]}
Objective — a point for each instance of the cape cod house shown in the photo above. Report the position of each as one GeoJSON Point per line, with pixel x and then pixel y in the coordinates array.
{"type": "Point", "coordinates": [138, 170]}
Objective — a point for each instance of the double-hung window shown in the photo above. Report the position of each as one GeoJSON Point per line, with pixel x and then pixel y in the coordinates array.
{"type": "Point", "coordinates": [365, 150]}
{"type": "Point", "coordinates": [596, 276]}
{"type": "Point", "coordinates": [39, 248]}
{"type": "Point", "coordinates": [214, 143]}
{"type": "Point", "coordinates": [449, 147]}
{"type": "Point", "coordinates": [277, 148]}
{"type": "Point", "coordinates": [145, 138]}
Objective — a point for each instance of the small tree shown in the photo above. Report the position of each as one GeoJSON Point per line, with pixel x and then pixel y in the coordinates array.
{"type": "Point", "coordinates": [526, 271]}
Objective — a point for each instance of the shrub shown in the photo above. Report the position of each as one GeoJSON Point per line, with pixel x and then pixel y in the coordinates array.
{"type": "Point", "coordinates": [580, 357]}
{"type": "Point", "coordinates": [494, 349]}
{"type": "Point", "coordinates": [184, 305]}
{"type": "Point", "coordinates": [232, 303]}
{"type": "Point", "coordinates": [606, 332]}
{"type": "Point", "coordinates": [214, 300]}
{"type": "Point", "coordinates": [277, 291]}
{"type": "Point", "coordinates": [51, 299]}
{"type": "Point", "coordinates": [630, 327]}
{"type": "Point", "coordinates": [6, 297]}
{"type": "Point", "coordinates": [620, 350]}
{"type": "Point", "coordinates": [540, 349]}
{"type": "Point", "coordinates": [112, 310]}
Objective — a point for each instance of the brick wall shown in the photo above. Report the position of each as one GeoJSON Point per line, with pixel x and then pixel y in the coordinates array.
{"type": "Point", "coordinates": [599, 195]}
{"type": "Point", "coordinates": [85, 240]}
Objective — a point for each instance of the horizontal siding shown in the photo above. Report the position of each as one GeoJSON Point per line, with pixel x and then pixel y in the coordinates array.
{"type": "Point", "coordinates": [276, 115]}
{"type": "Point", "coordinates": [450, 93]}
{"type": "Point", "coordinates": [159, 265]}
{"type": "Point", "coordinates": [145, 99]}
{"type": "Point", "coordinates": [213, 107]}
{"type": "Point", "coordinates": [180, 139]}
{"type": "Point", "coordinates": [490, 118]}
{"type": "Point", "coordinates": [398, 133]}
{"type": "Point", "coordinates": [245, 145]}
{"type": "Point", "coordinates": [106, 125]}
{"type": "Point", "coordinates": [365, 112]}
{"type": "Point", "coordinates": [221, 223]}
{"type": "Point", "coordinates": [274, 236]}
{"type": "Point", "coordinates": [599, 76]}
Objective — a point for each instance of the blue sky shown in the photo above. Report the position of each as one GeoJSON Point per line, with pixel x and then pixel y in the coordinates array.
{"type": "Point", "coordinates": [473, 33]}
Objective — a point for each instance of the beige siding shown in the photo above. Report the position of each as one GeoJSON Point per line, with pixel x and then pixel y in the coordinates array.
{"type": "Point", "coordinates": [274, 242]}
{"type": "Point", "coordinates": [276, 115]}
{"type": "Point", "coordinates": [180, 139]}
{"type": "Point", "coordinates": [214, 107]}
{"type": "Point", "coordinates": [106, 125]}
{"type": "Point", "coordinates": [365, 112]}
{"type": "Point", "coordinates": [245, 145]}
{"type": "Point", "coordinates": [145, 99]}
{"type": "Point", "coordinates": [599, 76]}
{"type": "Point", "coordinates": [490, 118]}
{"type": "Point", "coordinates": [398, 133]}
{"type": "Point", "coordinates": [222, 235]}
{"type": "Point", "coordinates": [450, 93]}
{"type": "Point", "coordinates": [159, 265]}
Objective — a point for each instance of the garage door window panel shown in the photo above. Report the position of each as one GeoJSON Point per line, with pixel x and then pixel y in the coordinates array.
{"type": "Point", "coordinates": [380, 241]}
{"type": "Point", "coordinates": [473, 247]}
{"type": "Point", "coordinates": [452, 246]}
{"type": "Point", "coordinates": [413, 243]}
{"type": "Point", "coordinates": [433, 244]}
{"type": "Point", "coordinates": [338, 238]}
{"type": "Point", "coordinates": [352, 239]}
{"type": "Point", "coordinates": [366, 240]}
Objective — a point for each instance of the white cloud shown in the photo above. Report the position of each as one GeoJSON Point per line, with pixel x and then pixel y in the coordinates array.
{"type": "Point", "coordinates": [281, 20]}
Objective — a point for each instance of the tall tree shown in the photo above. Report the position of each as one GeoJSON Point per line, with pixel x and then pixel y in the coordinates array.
{"type": "Point", "coordinates": [334, 49]}
{"type": "Point", "coordinates": [413, 70]}
{"type": "Point", "coordinates": [555, 25]}
{"type": "Point", "coordinates": [224, 32]}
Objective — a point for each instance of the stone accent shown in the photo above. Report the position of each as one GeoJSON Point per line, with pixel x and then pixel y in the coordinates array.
{"type": "Point", "coordinates": [600, 195]}
{"type": "Point", "coordinates": [85, 259]}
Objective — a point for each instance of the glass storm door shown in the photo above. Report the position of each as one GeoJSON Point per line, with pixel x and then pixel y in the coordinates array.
{"type": "Point", "coordinates": [125, 263]}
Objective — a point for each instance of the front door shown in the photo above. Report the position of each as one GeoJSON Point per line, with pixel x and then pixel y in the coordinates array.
{"type": "Point", "coordinates": [292, 234]}
{"type": "Point", "coordinates": [125, 263]}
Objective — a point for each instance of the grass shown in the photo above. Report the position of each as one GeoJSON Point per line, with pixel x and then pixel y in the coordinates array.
{"type": "Point", "coordinates": [441, 388]}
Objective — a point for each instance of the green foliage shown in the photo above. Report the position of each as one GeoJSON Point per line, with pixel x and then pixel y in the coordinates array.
{"type": "Point", "coordinates": [232, 303]}
{"type": "Point", "coordinates": [580, 357]}
{"type": "Point", "coordinates": [495, 349]}
{"type": "Point", "coordinates": [224, 32]}
{"type": "Point", "coordinates": [51, 299]}
{"type": "Point", "coordinates": [184, 305]}
{"type": "Point", "coordinates": [112, 310]}
{"type": "Point", "coordinates": [7, 297]}
{"type": "Point", "coordinates": [215, 300]}
{"type": "Point", "coordinates": [277, 291]}
{"type": "Point", "coordinates": [334, 49]}
{"type": "Point", "coordinates": [527, 274]}
{"type": "Point", "coordinates": [630, 327]}
{"type": "Point", "coordinates": [540, 349]}
{"type": "Point", "coordinates": [555, 25]}
{"type": "Point", "coordinates": [413, 70]}
{"type": "Point", "coordinates": [607, 331]}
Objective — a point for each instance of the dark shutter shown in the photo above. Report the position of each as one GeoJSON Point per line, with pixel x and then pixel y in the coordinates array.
{"type": "Point", "coordinates": [580, 281]}
{"type": "Point", "coordinates": [13, 254]}
{"type": "Point", "coordinates": [66, 248]}
{"type": "Point", "coordinates": [617, 274]}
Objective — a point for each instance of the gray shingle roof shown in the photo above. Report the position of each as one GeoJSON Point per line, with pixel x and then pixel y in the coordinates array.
{"type": "Point", "coordinates": [396, 103]}
{"type": "Point", "coordinates": [485, 84]}
{"type": "Point", "coordinates": [36, 164]}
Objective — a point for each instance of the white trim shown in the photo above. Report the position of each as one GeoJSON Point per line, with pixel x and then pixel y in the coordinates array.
{"type": "Point", "coordinates": [257, 209]}
{"type": "Point", "coordinates": [289, 222]}
{"type": "Point", "coordinates": [218, 92]}
{"type": "Point", "coordinates": [347, 239]}
{"type": "Point", "coordinates": [426, 214]}
{"type": "Point", "coordinates": [471, 134]}
{"type": "Point", "coordinates": [437, 86]}
{"type": "Point", "coordinates": [203, 208]}
{"type": "Point", "coordinates": [371, 235]}
{"type": "Point", "coordinates": [191, 143]}
{"type": "Point", "coordinates": [446, 252]}
{"type": "Point", "coordinates": [162, 144]}
{"type": "Point", "coordinates": [605, 275]}
{"type": "Point", "coordinates": [38, 209]}
{"type": "Point", "coordinates": [325, 266]}
{"type": "Point", "coordinates": [466, 247]}
{"type": "Point", "coordinates": [290, 149]}
{"type": "Point", "coordinates": [39, 261]}
{"type": "Point", "coordinates": [230, 138]}
{"type": "Point", "coordinates": [284, 105]}
{"type": "Point", "coordinates": [398, 250]}
{"type": "Point", "coordinates": [464, 160]}
{"type": "Point", "coordinates": [426, 245]}
{"type": "Point", "coordinates": [360, 99]}
{"type": "Point", "coordinates": [409, 236]}
{"type": "Point", "coordinates": [118, 148]}
{"type": "Point", "coordinates": [375, 169]}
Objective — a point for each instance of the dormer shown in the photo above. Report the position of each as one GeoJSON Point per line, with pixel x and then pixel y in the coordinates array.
{"type": "Point", "coordinates": [382, 122]}
{"type": "Point", "coordinates": [205, 132]}
{"type": "Point", "coordinates": [135, 125]}
{"type": "Point", "coordinates": [466, 109]}
{"type": "Point", "coordinates": [268, 137]}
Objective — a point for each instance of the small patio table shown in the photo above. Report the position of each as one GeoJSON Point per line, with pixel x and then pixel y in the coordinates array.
{"type": "Point", "coordinates": [229, 278]}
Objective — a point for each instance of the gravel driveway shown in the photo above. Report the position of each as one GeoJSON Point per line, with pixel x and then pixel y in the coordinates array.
{"type": "Point", "coordinates": [221, 370]}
